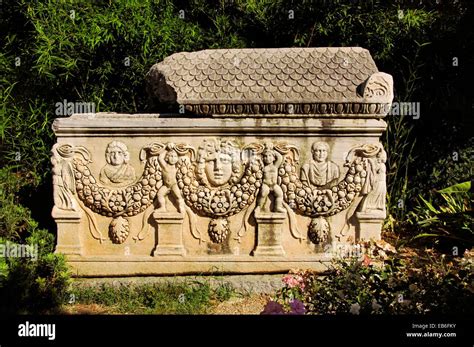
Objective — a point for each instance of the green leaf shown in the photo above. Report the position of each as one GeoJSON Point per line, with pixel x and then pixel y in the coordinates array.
{"type": "Point", "coordinates": [419, 236]}
{"type": "Point", "coordinates": [429, 205]}
{"type": "Point", "coordinates": [457, 188]}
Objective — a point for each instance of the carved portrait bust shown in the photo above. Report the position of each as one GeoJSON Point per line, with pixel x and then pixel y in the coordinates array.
{"type": "Point", "coordinates": [320, 171]}
{"type": "Point", "coordinates": [117, 171]}
{"type": "Point", "coordinates": [218, 162]}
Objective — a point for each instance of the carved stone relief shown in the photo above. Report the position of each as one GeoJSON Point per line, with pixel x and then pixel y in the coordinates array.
{"type": "Point", "coordinates": [319, 202]}
{"type": "Point", "coordinates": [117, 171]}
{"type": "Point", "coordinates": [375, 187]}
{"type": "Point", "coordinates": [64, 187]}
{"type": "Point", "coordinates": [320, 171]}
{"type": "Point", "coordinates": [220, 184]}
{"type": "Point", "coordinates": [234, 171]}
{"type": "Point", "coordinates": [377, 87]}
{"type": "Point", "coordinates": [222, 180]}
{"type": "Point", "coordinates": [168, 158]}
{"type": "Point", "coordinates": [272, 160]}
{"type": "Point", "coordinates": [304, 81]}
{"type": "Point", "coordinates": [115, 203]}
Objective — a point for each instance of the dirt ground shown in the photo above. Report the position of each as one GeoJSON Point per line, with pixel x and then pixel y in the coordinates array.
{"type": "Point", "coordinates": [252, 304]}
{"type": "Point", "coordinates": [91, 309]}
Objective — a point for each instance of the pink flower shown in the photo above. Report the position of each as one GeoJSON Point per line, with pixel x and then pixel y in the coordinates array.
{"type": "Point", "coordinates": [294, 281]}
{"type": "Point", "coordinates": [290, 281]}
{"type": "Point", "coordinates": [367, 261]}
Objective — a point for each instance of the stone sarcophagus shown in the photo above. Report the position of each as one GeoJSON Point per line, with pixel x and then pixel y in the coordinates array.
{"type": "Point", "coordinates": [271, 158]}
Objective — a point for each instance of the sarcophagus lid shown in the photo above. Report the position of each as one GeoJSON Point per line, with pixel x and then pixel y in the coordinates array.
{"type": "Point", "coordinates": [337, 81]}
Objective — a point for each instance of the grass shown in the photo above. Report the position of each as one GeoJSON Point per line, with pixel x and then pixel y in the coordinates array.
{"type": "Point", "coordinates": [189, 297]}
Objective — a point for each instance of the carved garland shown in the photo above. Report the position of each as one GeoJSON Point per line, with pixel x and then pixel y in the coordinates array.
{"type": "Point", "coordinates": [219, 203]}
{"type": "Point", "coordinates": [119, 203]}
{"type": "Point", "coordinates": [319, 203]}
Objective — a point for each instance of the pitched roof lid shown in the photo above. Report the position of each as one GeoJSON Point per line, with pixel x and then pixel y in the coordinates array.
{"type": "Point", "coordinates": [253, 80]}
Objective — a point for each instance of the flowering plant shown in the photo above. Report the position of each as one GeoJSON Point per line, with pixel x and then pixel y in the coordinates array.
{"type": "Point", "coordinates": [289, 299]}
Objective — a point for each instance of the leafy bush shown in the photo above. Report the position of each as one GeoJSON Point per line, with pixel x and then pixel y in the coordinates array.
{"type": "Point", "coordinates": [27, 284]}
{"type": "Point", "coordinates": [446, 215]}
{"type": "Point", "coordinates": [15, 220]}
{"type": "Point", "coordinates": [440, 285]}
{"type": "Point", "coordinates": [454, 166]}
{"type": "Point", "coordinates": [34, 284]}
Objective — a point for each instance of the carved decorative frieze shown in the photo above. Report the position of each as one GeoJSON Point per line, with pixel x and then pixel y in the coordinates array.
{"type": "Point", "coordinates": [322, 109]}
{"type": "Point", "coordinates": [223, 179]}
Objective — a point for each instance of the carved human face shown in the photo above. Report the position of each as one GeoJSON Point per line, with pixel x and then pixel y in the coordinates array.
{"type": "Point", "coordinates": [172, 157]}
{"type": "Point", "coordinates": [218, 168]}
{"type": "Point", "coordinates": [268, 157]}
{"type": "Point", "coordinates": [320, 153]}
{"type": "Point", "coordinates": [116, 156]}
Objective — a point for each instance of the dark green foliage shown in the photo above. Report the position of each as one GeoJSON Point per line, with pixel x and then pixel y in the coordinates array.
{"type": "Point", "coordinates": [446, 218]}
{"type": "Point", "coordinates": [34, 285]}
{"type": "Point", "coordinates": [453, 167]}
{"type": "Point", "coordinates": [15, 220]}
{"type": "Point", "coordinates": [27, 285]}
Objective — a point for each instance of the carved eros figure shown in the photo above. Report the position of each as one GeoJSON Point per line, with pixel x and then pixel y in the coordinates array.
{"type": "Point", "coordinates": [168, 159]}
{"type": "Point", "coordinates": [272, 161]}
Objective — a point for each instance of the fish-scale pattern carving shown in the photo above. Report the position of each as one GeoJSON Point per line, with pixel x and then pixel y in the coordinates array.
{"type": "Point", "coordinates": [264, 76]}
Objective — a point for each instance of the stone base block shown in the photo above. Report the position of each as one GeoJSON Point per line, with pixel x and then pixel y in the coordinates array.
{"type": "Point", "coordinates": [369, 226]}
{"type": "Point", "coordinates": [173, 265]}
{"type": "Point", "coordinates": [68, 223]}
{"type": "Point", "coordinates": [169, 234]}
{"type": "Point", "coordinates": [269, 230]}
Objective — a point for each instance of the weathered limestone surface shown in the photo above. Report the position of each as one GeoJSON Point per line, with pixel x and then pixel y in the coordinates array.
{"type": "Point", "coordinates": [271, 159]}
{"type": "Point", "coordinates": [243, 284]}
